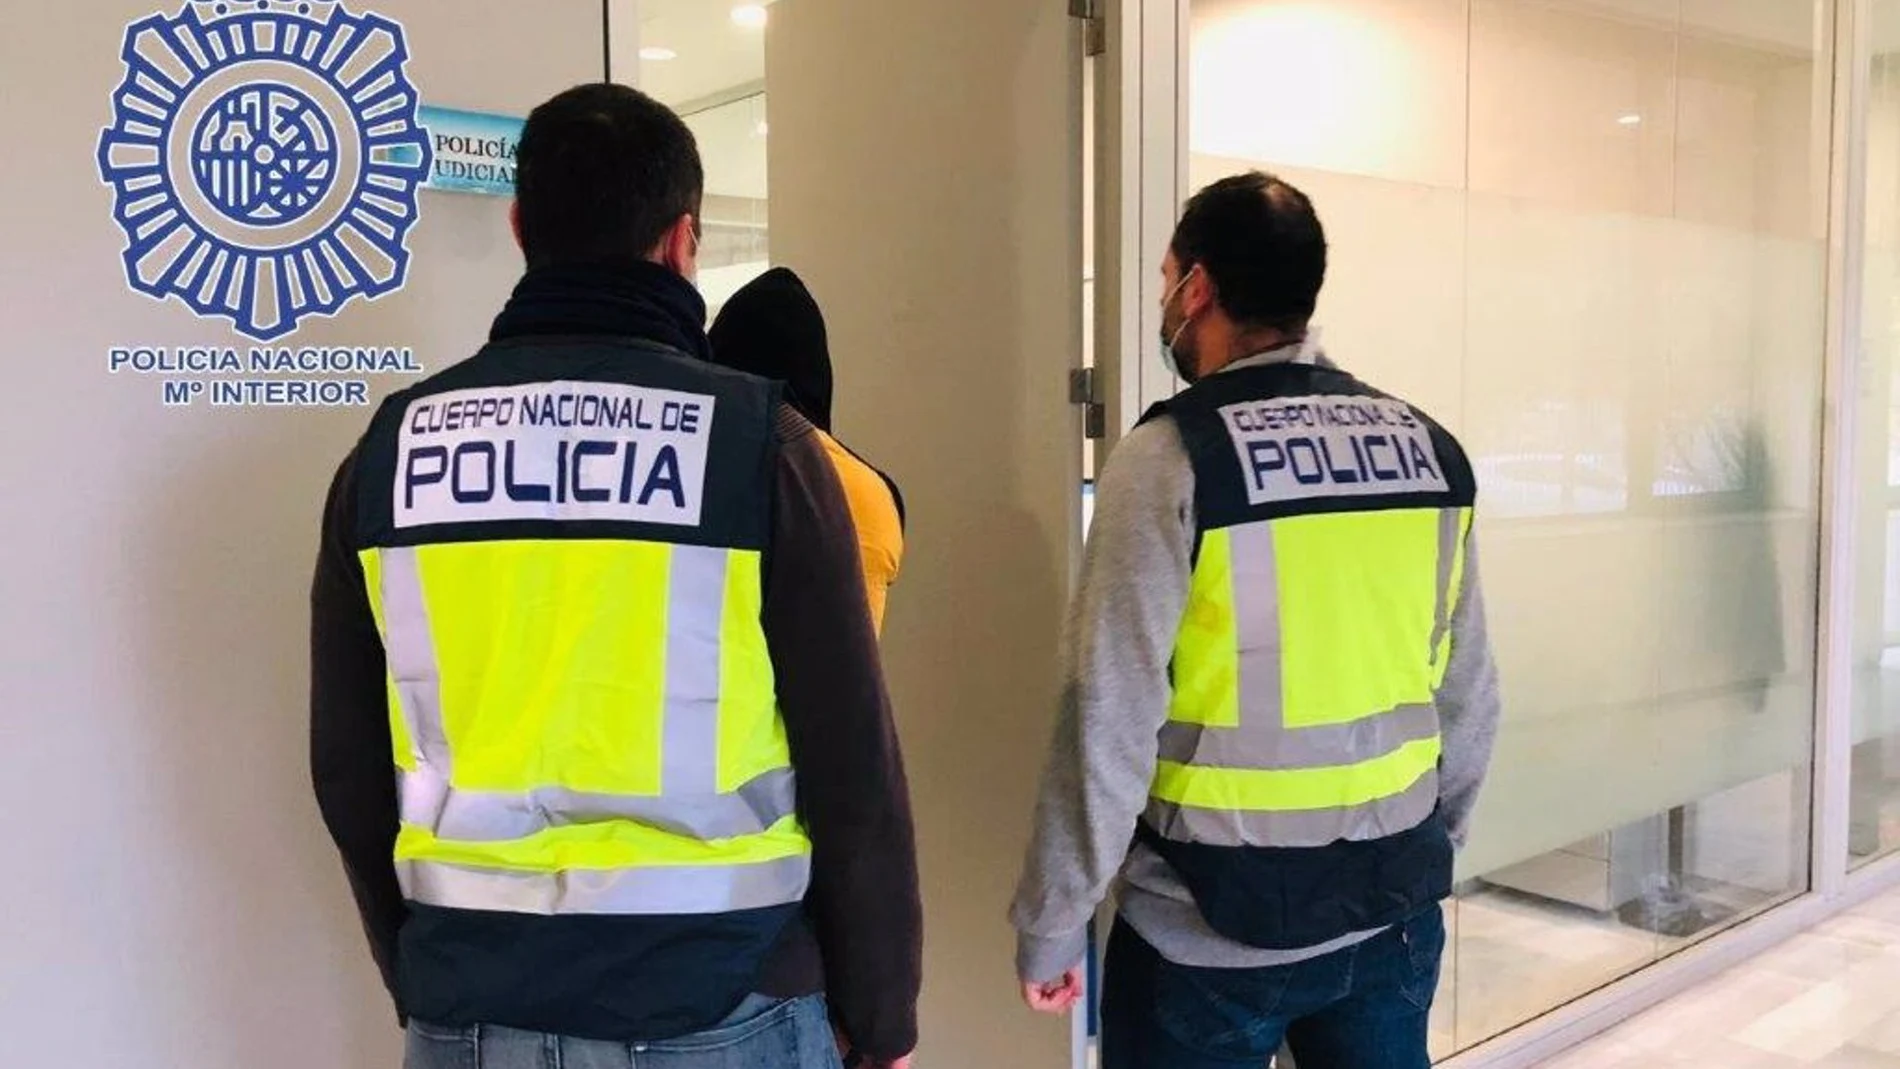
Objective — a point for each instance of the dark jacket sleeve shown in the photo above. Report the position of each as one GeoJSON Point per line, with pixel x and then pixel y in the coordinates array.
{"type": "Point", "coordinates": [864, 903]}
{"type": "Point", "coordinates": [351, 763]}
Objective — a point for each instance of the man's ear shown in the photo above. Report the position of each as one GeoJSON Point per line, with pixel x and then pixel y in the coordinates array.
{"type": "Point", "coordinates": [514, 224]}
{"type": "Point", "coordinates": [679, 250]}
{"type": "Point", "coordinates": [1198, 295]}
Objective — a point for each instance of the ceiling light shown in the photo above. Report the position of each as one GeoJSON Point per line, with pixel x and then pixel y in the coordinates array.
{"type": "Point", "coordinates": [1632, 119]}
{"type": "Point", "coordinates": [751, 16]}
{"type": "Point", "coordinates": [658, 54]}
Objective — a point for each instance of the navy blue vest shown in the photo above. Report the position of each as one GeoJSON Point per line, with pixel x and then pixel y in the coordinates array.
{"type": "Point", "coordinates": [1287, 898]}
{"type": "Point", "coordinates": [615, 978]}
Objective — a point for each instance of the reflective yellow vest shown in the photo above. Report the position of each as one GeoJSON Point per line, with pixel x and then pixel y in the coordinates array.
{"type": "Point", "coordinates": [1331, 526]}
{"type": "Point", "coordinates": [566, 574]}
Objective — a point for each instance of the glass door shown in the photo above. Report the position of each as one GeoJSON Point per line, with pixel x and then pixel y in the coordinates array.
{"type": "Point", "coordinates": [706, 61]}
{"type": "Point", "coordinates": [1591, 239]}
{"type": "Point", "coordinates": [1874, 821]}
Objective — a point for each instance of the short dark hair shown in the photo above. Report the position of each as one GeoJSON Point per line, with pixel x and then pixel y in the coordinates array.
{"type": "Point", "coordinates": [601, 173]}
{"type": "Point", "coordinates": [1260, 242]}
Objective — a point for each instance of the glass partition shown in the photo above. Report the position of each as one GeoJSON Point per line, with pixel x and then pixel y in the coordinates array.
{"type": "Point", "coordinates": [709, 65]}
{"type": "Point", "coordinates": [735, 245]}
{"type": "Point", "coordinates": [1590, 237]}
{"type": "Point", "coordinates": [1874, 818]}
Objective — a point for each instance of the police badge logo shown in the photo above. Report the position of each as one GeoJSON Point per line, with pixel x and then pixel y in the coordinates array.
{"type": "Point", "coordinates": [266, 159]}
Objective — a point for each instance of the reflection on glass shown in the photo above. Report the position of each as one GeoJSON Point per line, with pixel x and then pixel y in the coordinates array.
{"type": "Point", "coordinates": [1563, 459]}
{"type": "Point", "coordinates": [1589, 237]}
{"type": "Point", "coordinates": [1719, 454]}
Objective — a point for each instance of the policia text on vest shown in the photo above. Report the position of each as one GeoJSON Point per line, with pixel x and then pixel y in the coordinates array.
{"type": "Point", "coordinates": [1332, 446]}
{"type": "Point", "coordinates": [512, 453]}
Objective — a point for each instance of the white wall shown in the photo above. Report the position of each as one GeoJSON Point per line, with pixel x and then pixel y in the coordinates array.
{"type": "Point", "coordinates": [169, 897]}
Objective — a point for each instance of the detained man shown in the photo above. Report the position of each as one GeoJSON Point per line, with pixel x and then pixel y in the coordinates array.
{"type": "Point", "coordinates": [772, 327]}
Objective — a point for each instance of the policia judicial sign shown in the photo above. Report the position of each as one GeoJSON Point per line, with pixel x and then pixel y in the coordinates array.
{"type": "Point", "coordinates": [1297, 788]}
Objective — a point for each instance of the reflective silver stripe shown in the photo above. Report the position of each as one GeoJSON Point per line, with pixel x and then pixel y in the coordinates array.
{"type": "Point", "coordinates": [1305, 828]}
{"type": "Point", "coordinates": [1451, 523]}
{"type": "Point", "coordinates": [411, 652]}
{"type": "Point", "coordinates": [695, 608]}
{"type": "Point", "coordinates": [499, 816]}
{"type": "Point", "coordinates": [1256, 591]}
{"type": "Point", "coordinates": [1269, 746]}
{"type": "Point", "coordinates": [672, 890]}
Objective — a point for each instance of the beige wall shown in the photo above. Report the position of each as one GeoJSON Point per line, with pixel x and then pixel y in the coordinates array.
{"type": "Point", "coordinates": [169, 897]}
{"type": "Point", "coordinates": [926, 180]}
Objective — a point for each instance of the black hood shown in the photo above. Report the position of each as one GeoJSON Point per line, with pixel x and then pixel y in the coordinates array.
{"type": "Point", "coordinates": [772, 328]}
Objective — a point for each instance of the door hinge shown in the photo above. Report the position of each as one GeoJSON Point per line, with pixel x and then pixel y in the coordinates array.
{"type": "Point", "coordinates": [1094, 26]}
{"type": "Point", "coordinates": [1085, 390]}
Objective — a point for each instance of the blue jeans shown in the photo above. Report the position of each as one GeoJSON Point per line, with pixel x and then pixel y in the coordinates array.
{"type": "Point", "coordinates": [1365, 1007]}
{"type": "Point", "coordinates": [762, 1033]}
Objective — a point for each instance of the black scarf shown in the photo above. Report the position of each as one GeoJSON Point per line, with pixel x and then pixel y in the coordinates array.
{"type": "Point", "coordinates": [636, 300]}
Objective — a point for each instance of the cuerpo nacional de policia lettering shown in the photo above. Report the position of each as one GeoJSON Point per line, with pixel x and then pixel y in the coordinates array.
{"type": "Point", "coordinates": [266, 159]}
{"type": "Point", "coordinates": [1308, 447]}
{"type": "Point", "coordinates": [554, 451]}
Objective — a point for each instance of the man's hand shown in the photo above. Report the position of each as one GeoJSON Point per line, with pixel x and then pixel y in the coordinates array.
{"type": "Point", "coordinates": [1057, 996]}
{"type": "Point", "coordinates": [853, 1060]}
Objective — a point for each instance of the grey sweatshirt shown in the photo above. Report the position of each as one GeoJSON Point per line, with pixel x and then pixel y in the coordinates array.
{"type": "Point", "coordinates": [1121, 636]}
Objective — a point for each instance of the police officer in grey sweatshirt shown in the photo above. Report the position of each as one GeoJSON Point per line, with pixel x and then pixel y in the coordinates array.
{"type": "Point", "coordinates": [1280, 697]}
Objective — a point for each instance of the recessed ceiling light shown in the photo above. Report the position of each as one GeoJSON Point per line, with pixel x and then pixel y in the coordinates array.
{"type": "Point", "coordinates": [751, 16]}
{"type": "Point", "coordinates": [658, 54]}
{"type": "Point", "coordinates": [1632, 119]}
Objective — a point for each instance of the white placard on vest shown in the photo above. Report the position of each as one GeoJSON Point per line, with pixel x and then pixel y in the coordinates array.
{"type": "Point", "coordinates": [1294, 448]}
{"type": "Point", "coordinates": [554, 451]}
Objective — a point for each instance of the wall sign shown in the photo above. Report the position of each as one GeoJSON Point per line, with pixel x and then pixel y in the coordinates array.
{"type": "Point", "coordinates": [474, 151]}
{"type": "Point", "coordinates": [266, 161]}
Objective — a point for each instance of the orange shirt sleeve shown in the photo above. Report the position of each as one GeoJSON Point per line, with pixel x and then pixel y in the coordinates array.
{"type": "Point", "coordinates": [880, 529]}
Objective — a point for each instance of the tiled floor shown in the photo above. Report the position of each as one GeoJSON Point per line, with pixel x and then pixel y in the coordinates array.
{"type": "Point", "coordinates": [1830, 998]}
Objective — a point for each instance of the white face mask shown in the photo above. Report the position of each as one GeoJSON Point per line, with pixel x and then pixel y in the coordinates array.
{"type": "Point", "coordinates": [1170, 356]}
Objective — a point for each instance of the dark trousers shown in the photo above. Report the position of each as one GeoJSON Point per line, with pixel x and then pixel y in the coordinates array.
{"type": "Point", "coordinates": [1365, 1007]}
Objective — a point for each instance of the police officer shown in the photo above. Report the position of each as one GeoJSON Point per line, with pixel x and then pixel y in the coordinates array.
{"type": "Point", "coordinates": [1282, 694]}
{"type": "Point", "coordinates": [597, 718]}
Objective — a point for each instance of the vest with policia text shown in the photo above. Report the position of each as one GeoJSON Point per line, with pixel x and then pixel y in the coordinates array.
{"type": "Point", "coordinates": [562, 541]}
{"type": "Point", "coordinates": [1297, 788]}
